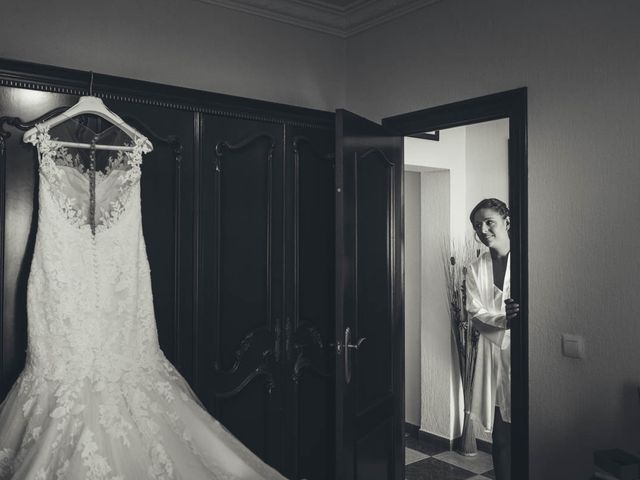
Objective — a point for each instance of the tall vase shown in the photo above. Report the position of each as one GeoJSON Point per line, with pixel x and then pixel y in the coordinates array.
{"type": "Point", "coordinates": [467, 445]}
{"type": "Point", "coordinates": [467, 442]}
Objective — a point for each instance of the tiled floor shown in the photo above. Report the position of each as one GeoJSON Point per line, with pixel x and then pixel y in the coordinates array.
{"type": "Point", "coordinates": [427, 461]}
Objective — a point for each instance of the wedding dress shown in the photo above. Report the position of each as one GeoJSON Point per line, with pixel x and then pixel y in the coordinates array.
{"type": "Point", "coordinates": [97, 399]}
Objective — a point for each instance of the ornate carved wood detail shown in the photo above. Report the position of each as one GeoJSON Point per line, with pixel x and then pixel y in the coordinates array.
{"type": "Point", "coordinates": [303, 363]}
{"type": "Point", "coordinates": [272, 352]}
{"type": "Point", "coordinates": [300, 140]}
{"type": "Point", "coordinates": [261, 371]}
{"type": "Point", "coordinates": [379, 152]}
{"type": "Point", "coordinates": [105, 95]}
{"type": "Point", "coordinates": [59, 80]}
{"type": "Point", "coordinates": [265, 368]}
{"type": "Point", "coordinates": [173, 141]}
{"type": "Point", "coordinates": [225, 146]}
{"type": "Point", "coordinates": [24, 126]}
{"type": "Point", "coordinates": [245, 344]}
{"type": "Point", "coordinates": [307, 337]}
{"type": "Point", "coordinates": [220, 149]}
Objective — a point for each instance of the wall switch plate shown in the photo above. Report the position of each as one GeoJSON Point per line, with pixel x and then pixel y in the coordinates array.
{"type": "Point", "coordinates": [572, 346]}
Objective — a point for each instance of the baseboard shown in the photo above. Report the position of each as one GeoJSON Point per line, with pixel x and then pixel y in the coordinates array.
{"type": "Point", "coordinates": [483, 445]}
{"type": "Point", "coordinates": [436, 439]}
{"type": "Point", "coordinates": [411, 430]}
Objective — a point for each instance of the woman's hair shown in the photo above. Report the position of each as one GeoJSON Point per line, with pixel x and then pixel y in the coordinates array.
{"type": "Point", "coordinates": [492, 203]}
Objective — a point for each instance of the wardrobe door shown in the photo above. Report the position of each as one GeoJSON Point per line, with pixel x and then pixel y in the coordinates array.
{"type": "Point", "coordinates": [167, 221]}
{"type": "Point", "coordinates": [240, 279]}
{"type": "Point", "coordinates": [309, 322]}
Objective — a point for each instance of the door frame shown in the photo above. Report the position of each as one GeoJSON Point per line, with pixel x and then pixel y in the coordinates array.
{"type": "Point", "coordinates": [511, 104]}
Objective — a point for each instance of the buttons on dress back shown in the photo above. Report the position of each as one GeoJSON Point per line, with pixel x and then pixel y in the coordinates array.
{"type": "Point", "coordinates": [92, 186]}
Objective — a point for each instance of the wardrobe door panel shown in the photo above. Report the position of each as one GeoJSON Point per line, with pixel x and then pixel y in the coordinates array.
{"type": "Point", "coordinates": [167, 221]}
{"type": "Point", "coordinates": [309, 323]}
{"type": "Point", "coordinates": [239, 332]}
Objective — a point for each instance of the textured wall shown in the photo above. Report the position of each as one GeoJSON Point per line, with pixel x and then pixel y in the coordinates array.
{"type": "Point", "coordinates": [412, 297]}
{"type": "Point", "coordinates": [446, 154]}
{"type": "Point", "coordinates": [442, 168]}
{"type": "Point", "coordinates": [180, 42]}
{"type": "Point", "coordinates": [439, 375]}
{"type": "Point", "coordinates": [580, 62]}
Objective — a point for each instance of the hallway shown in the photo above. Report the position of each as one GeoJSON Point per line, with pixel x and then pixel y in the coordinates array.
{"type": "Point", "coordinates": [427, 461]}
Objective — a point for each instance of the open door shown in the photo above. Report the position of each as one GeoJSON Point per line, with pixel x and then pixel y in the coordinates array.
{"type": "Point", "coordinates": [369, 301]}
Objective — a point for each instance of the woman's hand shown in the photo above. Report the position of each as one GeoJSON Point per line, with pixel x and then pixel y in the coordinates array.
{"type": "Point", "coordinates": [512, 309]}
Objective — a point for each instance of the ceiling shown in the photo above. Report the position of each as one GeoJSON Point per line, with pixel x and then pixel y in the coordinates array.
{"type": "Point", "coordinates": [342, 18]}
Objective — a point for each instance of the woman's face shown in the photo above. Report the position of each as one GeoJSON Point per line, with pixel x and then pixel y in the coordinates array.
{"type": "Point", "coordinates": [491, 228]}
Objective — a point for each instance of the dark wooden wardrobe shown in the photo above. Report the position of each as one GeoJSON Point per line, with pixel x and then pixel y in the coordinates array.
{"type": "Point", "coordinates": [238, 217]}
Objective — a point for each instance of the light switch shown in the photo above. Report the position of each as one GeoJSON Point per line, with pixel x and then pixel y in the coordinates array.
{"type": "Point", "coordinates": [572, 346]}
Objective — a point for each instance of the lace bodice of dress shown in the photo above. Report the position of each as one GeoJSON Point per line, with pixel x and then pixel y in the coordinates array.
{"type": "Point", "coordinates": [68, 173]}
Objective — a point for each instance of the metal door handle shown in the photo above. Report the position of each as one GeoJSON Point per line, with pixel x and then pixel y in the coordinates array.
{"type": "Point", "coordinates": [347, 346]}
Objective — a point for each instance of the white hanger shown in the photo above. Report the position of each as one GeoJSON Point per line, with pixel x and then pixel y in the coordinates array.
{"type": "Point", "coordinates": [92, 105]}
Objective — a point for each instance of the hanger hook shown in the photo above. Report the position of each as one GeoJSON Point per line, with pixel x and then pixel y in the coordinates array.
{"type": "Point", "coordinates": [91, 84]}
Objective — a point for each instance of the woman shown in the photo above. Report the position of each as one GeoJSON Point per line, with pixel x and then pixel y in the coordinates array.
{"type": "Point", "coordinates": [491, 310]}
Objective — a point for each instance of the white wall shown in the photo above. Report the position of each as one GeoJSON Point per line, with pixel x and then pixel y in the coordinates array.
{"type": "Point", "coordinates": [580, 62]}
{"type": "Point", "coordinates": [487, 164]}
{"type": "Point", "coordinates": [441, 166]}
{"type": "Point", "coordinates": [439, 377]}
{"type": "Point", "coordinates": [446, 154]}
{"type": "Point", "coordinates": [180, 42]}
{"type": "Point", "coordinates": [412, 297]}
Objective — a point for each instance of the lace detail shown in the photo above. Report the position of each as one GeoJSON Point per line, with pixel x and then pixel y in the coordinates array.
{"type": "Point", "coordinates": [6, 455]}
{"type": "Point", "coordinates": [97, 466]}
{"type": "Point", "coordinates": [55, 157]}
{"type": "Point", "coordinates": [64, 158]}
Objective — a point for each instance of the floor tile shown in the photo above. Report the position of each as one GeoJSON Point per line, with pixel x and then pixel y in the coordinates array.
{"type": "Point", "coordinates": [423, 446]}
{"type": "Point", "coordinates": [412, 456]}
{"type": "Point", "coordinates": [479, 463]}
{"type": "Point", "coordinates": [434, 469]}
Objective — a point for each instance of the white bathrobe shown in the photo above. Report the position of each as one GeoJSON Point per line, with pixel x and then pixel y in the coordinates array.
{"type": "Point", "coordinates": [492, 381]}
